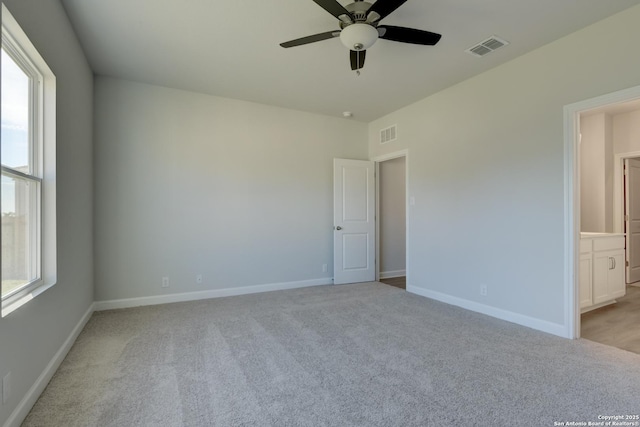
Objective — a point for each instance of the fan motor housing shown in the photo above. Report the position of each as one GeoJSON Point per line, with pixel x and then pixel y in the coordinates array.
{"type": "Point", "coordinates": [358, 10]}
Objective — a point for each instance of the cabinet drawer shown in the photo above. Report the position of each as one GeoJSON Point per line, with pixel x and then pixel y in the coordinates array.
{"type": "Point", "coordinates": [585, 245]}
{"type": "Point", "coordinates": [608, 243]}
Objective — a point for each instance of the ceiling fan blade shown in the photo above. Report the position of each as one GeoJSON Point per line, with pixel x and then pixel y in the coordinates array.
{"type": "Point", "coordinates": [311, 39]}
{"type": "Point", "coordinates": [408, 35]}
{"type": "Point", "coordinates": [334, 8]}
{"type": "Point", "coordinates": [357, 59]}
{"type": "Point", "coordinates": [383, 8]}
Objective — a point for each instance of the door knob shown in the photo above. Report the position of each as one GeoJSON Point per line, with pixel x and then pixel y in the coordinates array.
{"type": "Point", "coordinates": [338, 228]}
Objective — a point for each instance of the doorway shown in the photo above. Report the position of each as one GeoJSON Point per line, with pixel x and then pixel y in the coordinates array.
{"type": "Point", "coordinates": [631, 212]}
{"type": "Point", "coordinates": [391, 214]}
{"type": "Point", "coordinates": [580, 212]}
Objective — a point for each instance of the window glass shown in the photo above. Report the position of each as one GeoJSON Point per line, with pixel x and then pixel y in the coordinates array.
{"type": "Point", "coordinates": [15, 116]}
{"type": "Point", "coordinates": [18, 267]}
{"type": "Point", "coordinates": [19, 194]}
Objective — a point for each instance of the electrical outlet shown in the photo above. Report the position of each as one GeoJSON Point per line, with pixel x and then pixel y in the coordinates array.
{"type": "Point", "coordinates": [324, 268]}
{"type": "Point", "coordinates": [199, 279]}
{"type": "Point", "coordinates": [483, 290]}
{"type": "Point", "coordinates": [165, 282]}
{"type": "Point", "coordinates": [6, 388]}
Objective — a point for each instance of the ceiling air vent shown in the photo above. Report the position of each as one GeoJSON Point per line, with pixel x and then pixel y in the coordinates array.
{"type": "Point", "coordinates": [487, 46]}
{"type": "Point", "coordinates": [388, 134]}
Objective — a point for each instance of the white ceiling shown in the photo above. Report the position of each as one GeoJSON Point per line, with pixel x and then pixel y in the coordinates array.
{"type": "Point", "coordinates": [230, 48]}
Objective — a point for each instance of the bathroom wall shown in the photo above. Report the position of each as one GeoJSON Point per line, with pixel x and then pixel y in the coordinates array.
{"type": "Point", "coordinates": [596, 173]}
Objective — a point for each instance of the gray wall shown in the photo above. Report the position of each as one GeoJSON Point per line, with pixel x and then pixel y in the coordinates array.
{"type": "Point", "coordinates": [487, 170]}
{"type": "Point", "coordinates": [190, 184]}
{"type": "Point", "coordinates": [392, 217]}
{"type": "Point", "coordinates": [30, 336]}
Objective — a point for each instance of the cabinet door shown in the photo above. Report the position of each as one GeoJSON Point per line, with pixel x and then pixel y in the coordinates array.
{"type": "Point", "coordinates": [616, 282]}
{"type": "Point", "coordinates": [608, 275]}
{"type": "Point", "coordinates": [586, 282]}
{"type": "Point", "coordinates": [601, 265]}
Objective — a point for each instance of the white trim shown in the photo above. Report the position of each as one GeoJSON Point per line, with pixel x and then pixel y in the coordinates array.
{"type": "Point", "coordinates": [571, 222]}
{"type": "Point", "coordinates": [618, 196]}
{"type": "Point", "coordinates": [379, 159]}
{"type": "Point", "coordinates": [597, 306]}
{"type": "Point", "coordinates": [393, 273]}
{"type": "Point", "coordinates": [43, 121]}
{"type": "Point", "coordinates": [27, 402]}
{"type": "Point", "coordinates": [16, 303]}
{"type": "Point", "coordinates": [212, 293]}
{"type": "Point", "coordinates": [572, 198]}
{"type": "Point", "coordinates": [389, 156]}
{"type": "Point", "coordinates": [509, 316]}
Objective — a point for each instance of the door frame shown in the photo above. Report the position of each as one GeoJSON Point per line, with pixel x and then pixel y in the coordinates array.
{"type": "Point", "coordinates": [618, 193]}
{"type": "Point", "coordinates": [572, 199]}
{"type": "Point", "coordinates": [378, 160]}
{"type": "Point", "coordinates": [620, 203]}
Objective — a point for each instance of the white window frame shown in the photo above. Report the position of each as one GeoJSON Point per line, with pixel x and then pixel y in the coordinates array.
{"type": "Point", "coordinates": [42, 118]}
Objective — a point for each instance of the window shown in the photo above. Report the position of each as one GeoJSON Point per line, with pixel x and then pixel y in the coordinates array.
{"type": "Point", "coordinates": [27, 155]}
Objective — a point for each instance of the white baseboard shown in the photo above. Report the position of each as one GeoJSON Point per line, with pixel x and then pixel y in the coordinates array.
{"type": "Point", "coordinates": [213, 293]}
{"type": "Point", "coordinates": [393, 273]}
{"type": "Point", "coordinates": [22, 410]}
{"type": "Point", "coordinates": [509, 316]}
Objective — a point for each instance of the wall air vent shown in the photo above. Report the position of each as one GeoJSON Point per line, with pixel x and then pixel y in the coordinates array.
{"type": "Point", "coordinates": [388, 134]}
{"type": "Point", "coordinates": [487, 46]}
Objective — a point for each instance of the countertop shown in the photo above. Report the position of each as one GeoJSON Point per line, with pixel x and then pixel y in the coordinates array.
{"type": "Point", "coordinates": [590, 235]}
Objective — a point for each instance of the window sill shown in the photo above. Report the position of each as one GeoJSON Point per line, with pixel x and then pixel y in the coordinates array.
{"type": "Point", "coordinates": [12, 305]}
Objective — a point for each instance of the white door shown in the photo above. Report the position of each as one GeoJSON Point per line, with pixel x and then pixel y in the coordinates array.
{"type": "Point", "coordinates": [632, 218]}
{"type": "Point", "coordinates": [353, 221]}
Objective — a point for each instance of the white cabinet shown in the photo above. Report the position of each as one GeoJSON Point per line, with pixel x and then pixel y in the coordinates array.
{"type": "Point", "coordinates": [608, 275]}
{"type": "Point", "coordinates": [601, 270]}
{"type": "Point", "coordinates": [586, 282]}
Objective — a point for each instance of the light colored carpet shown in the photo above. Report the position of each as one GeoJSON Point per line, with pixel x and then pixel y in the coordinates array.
{"type": "Point", "coordinates": [352, 355]}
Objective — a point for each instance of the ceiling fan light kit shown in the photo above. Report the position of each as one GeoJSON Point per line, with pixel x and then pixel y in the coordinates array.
{"type": "Point", "coordinates": [360, 29]}
{"type": "Point", "coordinates": [358, 36]}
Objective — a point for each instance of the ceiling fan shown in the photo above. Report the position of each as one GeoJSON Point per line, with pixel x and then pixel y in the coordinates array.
{"type": "Point", "coordinates": [359, 28]}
